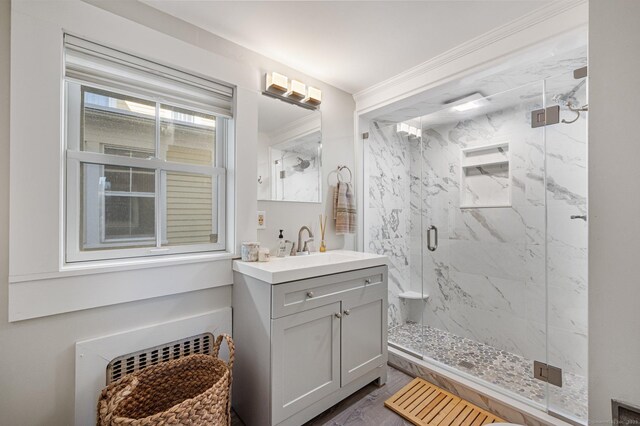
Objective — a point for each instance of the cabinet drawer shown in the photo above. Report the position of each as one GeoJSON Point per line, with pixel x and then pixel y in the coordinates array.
{"type": "Point", "coordinates": [297, 296]}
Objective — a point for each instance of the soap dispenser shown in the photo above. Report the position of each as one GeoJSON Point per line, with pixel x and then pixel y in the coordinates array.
{"type": "Point", "coordinates": [282, 245]}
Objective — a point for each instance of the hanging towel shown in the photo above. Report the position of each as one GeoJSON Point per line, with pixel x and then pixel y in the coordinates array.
{"type": "Point", "coordinates": [344, 208]}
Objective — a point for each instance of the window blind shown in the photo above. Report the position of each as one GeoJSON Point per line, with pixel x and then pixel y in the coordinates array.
{"type": "Point", "coordinates": [93, 63]}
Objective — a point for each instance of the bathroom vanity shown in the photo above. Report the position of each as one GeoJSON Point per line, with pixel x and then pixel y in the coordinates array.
{"type": "Point", "coordinates": [309, 331]}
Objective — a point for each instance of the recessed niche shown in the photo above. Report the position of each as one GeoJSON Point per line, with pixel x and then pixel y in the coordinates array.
{"type": "Point", "coordinates": [485, 179]}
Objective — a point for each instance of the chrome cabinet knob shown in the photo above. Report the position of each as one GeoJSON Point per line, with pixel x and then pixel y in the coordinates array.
{"type": "Point", "coordinates": [309, 294]}
{"type": "Point", "coordinates": [338, 315]}
{"type": "Point", "coordinates": [347, 311]}
{"type": "Point", "coordinates": [367, 281]}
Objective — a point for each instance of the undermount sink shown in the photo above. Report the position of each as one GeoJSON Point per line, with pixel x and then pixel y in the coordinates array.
{"type": "Point", "coordinates": [283, 269]}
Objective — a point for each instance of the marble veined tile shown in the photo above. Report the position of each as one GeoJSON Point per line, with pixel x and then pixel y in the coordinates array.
{"type": "Point", "coordinates": [561, 229]}
{"type": "Point", "coordinates": [568, 349]}
{"type": "Point", "coordinates": [489, 293]}
{"type": "Point", "coordinates": [385, 224]}
{"type": "Point", "coordinates": [386, 192]}
{"type": "Point", "coordinates": [501, 225]}
{"type": "Point", "coordinates": [396, 250]}
{"type": "Point", "coordinates": [566, 308]}
{"type": "Point", "coordinates": [500, 260]}
{"type": "Point", "coordinates": [534, 220]}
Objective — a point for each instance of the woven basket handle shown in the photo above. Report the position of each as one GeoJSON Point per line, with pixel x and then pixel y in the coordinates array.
{"type": "Point", "coordinates": [114, 396]}
{"type": "Point", "coordinates": [216, 348]}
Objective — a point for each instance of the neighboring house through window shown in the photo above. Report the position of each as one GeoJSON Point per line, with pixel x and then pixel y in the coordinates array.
{"type": "Point", "coordinates": [146, 157]}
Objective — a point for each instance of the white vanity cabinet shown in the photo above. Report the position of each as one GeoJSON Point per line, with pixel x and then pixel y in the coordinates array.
{"type": "Point", "coordinates": [304, 345]}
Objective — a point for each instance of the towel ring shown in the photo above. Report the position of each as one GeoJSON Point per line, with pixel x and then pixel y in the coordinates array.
{"type": "Point", "coordinates": [339, 174]}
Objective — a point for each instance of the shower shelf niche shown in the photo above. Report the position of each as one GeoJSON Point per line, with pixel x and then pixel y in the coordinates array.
{"type": "Point", "coordinates": [485, 176]}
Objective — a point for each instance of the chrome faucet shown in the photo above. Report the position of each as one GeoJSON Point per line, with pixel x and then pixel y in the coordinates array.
{"type": "Point", "coordinates": [304, 249]}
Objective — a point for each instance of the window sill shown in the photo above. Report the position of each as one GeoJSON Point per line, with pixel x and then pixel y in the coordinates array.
{"type": "Point", "coordinates": [106, 266]}
{"type": "Point", "coordinates": [92, 285]}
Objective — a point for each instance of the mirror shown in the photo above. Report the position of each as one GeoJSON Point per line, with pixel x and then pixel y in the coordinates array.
{"type": "Point", "coordinates": [289, 152]}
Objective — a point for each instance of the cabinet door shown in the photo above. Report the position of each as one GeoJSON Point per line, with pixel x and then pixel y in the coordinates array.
{"type": "Point", "coordinates": [364, 331]}
{"type": "Point", "coordinates": [306, 359]}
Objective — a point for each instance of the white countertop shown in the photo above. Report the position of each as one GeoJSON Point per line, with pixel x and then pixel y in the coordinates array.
{"type": "Point", "coordinates": [283, 269]}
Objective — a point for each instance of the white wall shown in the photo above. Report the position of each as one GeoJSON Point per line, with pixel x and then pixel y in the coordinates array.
{"type": "Point", "coordinates": [37, 368]}
{"type": "Point", "coordinates": [614, 205]}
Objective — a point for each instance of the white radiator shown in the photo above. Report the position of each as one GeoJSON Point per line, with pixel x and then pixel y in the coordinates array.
{"type": "Point", "coordinates": [93, 356]}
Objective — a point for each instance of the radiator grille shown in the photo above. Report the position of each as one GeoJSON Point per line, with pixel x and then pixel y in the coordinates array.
{"type": "Point", "coordinates": [135, 361]}
{"type": "Point", "coordinates": [625, 413]}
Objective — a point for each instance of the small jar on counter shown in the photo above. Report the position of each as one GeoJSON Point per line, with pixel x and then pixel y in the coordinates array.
{"type": "Point", "coordinates": [249, 251]}
{"type": "Point", "coordinates": [264, 255]}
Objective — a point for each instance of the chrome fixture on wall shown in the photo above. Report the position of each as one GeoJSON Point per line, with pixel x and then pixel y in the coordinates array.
{"type": "Point", "coordinates": [578, 110]}
{"type": "Point", "coordinates": [432, 246]}
{"type": "Point", "coordinates": [339, 174]}
{"type": "Point", "coordinates": [566, 100]}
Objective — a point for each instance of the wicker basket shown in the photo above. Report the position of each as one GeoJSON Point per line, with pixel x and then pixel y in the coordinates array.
{"type": "Point", "coordinates": [194, 390]}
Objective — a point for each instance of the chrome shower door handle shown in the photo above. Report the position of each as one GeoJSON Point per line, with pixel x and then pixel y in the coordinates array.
{"type": "Point", "coordinates": [429, 245]}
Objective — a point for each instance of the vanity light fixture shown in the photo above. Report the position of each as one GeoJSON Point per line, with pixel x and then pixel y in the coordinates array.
{"type": "Point", "coordinates": [468, 102]}
{"type": "Point", "coordinates": [314, 96]}
{"type": "Point", "coordinates": [277, 82]}
{"type": "Point", "coordinates": [297, 90]}
{"type": "Point", "coordinates": [294, 91]}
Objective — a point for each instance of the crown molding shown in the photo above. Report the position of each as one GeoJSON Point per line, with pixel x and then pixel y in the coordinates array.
{"type": "Point", "coordinates": [524, 23]}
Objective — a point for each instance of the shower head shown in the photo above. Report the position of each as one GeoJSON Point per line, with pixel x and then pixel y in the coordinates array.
{"type": "Point", "coordinates": [302, 164]}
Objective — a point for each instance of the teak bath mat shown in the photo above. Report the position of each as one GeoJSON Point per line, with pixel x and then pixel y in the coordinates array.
{"type": "Point", "coordinates": [423, 404]}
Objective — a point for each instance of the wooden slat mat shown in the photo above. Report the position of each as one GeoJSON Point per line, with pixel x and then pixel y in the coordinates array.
{"type": "Point", "coordinates": [422, 403]}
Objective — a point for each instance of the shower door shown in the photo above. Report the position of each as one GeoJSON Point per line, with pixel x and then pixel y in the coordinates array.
{"type": "Point", "coordinates": [484, 241]}
{"type": "Point", "coordinates": [566, 240]}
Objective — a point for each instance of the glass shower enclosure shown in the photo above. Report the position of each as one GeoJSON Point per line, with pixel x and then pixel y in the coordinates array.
{"type": "Point", "coordinates": [481, 207]}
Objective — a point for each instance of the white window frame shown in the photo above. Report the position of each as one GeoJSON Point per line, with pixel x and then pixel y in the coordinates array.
{"type": "Point", "coordinates": [75, 157]}
{"type": "Point", "coordinates": [102, 198]}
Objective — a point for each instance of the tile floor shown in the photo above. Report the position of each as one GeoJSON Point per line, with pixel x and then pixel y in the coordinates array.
{"type": "Point", "coordinates": [363, 408]}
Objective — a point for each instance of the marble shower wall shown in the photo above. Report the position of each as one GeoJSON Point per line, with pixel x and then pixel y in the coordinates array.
{"type": "Point", "coordinates": [388, 214]}
{"type": "Point", "coordinates": [486, 280]}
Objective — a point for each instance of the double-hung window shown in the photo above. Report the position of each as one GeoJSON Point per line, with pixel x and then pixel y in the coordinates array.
{"type": "Point", "coordinates": [145, 156]}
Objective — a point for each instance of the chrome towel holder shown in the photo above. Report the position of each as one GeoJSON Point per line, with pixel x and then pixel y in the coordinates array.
{"type": "Point", "coordinates": [339, 174]}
